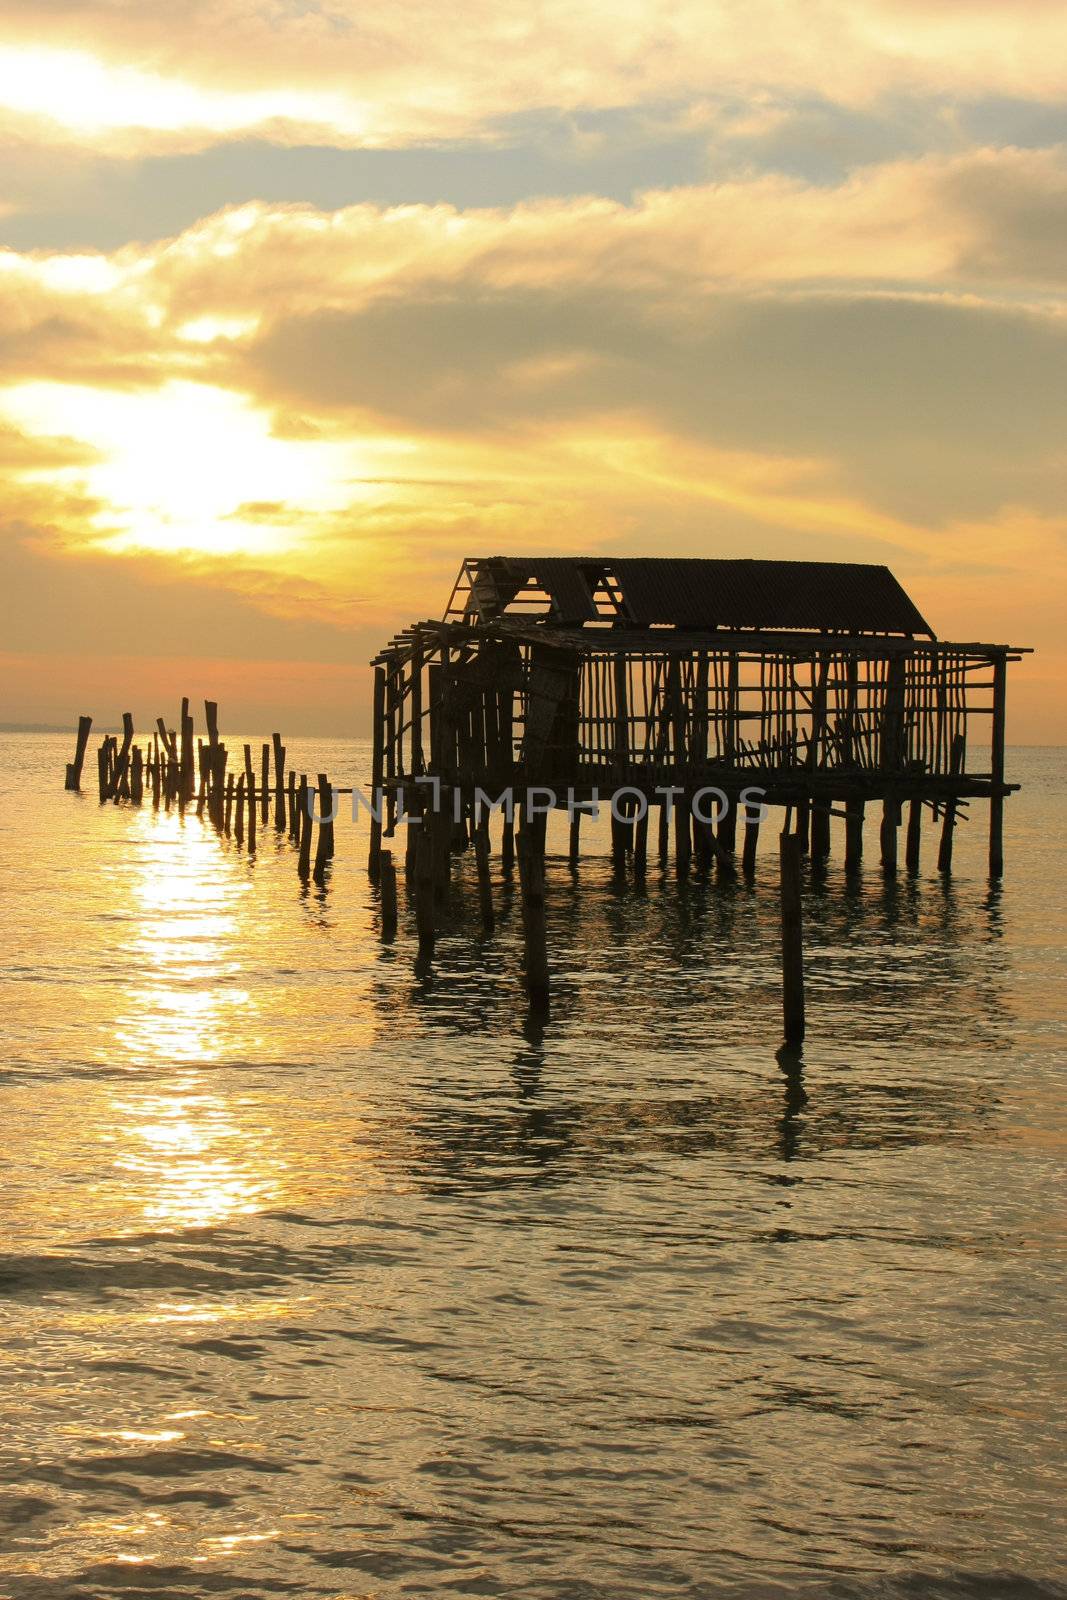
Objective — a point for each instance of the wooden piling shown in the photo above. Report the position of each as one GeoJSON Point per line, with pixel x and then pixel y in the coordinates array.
{"type": "Point", "coordinates": [377, 764]}
{"type": "Point", "coordinates": [682, 846]}
{"type": "Point", "coordinates": [574, 842]}
{"type": "Point", "coordinates": [264, 784]}
{"type": "Point", "coordinates": [228, 812]}
{"type": "Point", "coordinates": [948, 820]}
{"type": "Point", "coordinates": [751, 844]}
{"type": "Point", "coordinates": [324, 846]}
{"type": "Point", "coordinates": [820, 830]}
{"type": "Point", "coordinates": [239, 811]}
{"type": "Point", "coordinates": [73, 779]}
{"type": "Point", "coordinates": [789, 847]}
{"type": "Point", "coordinates": [854, 810]}
{"type": "Point", "coordinates": [485, 888]}
{"type": "Point", "coordinates": [156, 774]}
{"type": "Point", "coordinates": [187, 777]}
{"type": "Point", "coordinates": [535, 937]}
{"type": "Point", "coordinates": [996, 800]}
{"type": "Point", "coordinates": [641, 846]}
{"type": "Point", "coordinates": [387, 883]}
{"type": "Point", "coordinates": [250, 792]}
{"type": "Point", "coordinates": [913, 841]}
{"type": "Point", "coordinates": [303, 863]}
{"type": "Point", "coordinates": [136, 776]}
{"type": "Point", "coordinates": [507, 844]}
{"type": "Point", "coordinates": [664, 839]}
{"type": "Point", "coordinates": [102, 772]}
{"type": "Point", "coordinates": [294, 814]}
{"type": "Point", "coordinates": [279, 783]}
{"type": "Point", "coordinates": [888, 834]}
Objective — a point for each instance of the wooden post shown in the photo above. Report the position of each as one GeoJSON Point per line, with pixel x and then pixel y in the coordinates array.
{"type": "Point", "coordinates": [792, 938]}
{"type": "Point", "coordinates": [239, 811]}
{"type": "Point", "coordinates": [574, 850]}
{"type": "Point", "coordinates": [250, 791]}
{"type": "Point", "coordinates": [264, 784]}
{"type": "Point", "coordinates": [294, 814]}
{"type": "Point", "coordinates": [485, 888]}
{"type": "Point", "coordinates": [948, 822]}
{"type": "Point", "coordinates": [120, 776]}
{"type": "Point", "coordinates": [619, 830]}
{"type": "Point", "coordinates": [102, 770]}
{"type": "Point", "coordinates": [279, 783]}
{"type": "Point", "coordinates": [535, 941]}
{"type": "Point", "coordinates": [507, 844]}
{"type": "Point", "coordinates": [218, 786]}
{"type": "Point", "coordinates": [682, 848]}
{"type": "Point", "coordinates": [137, 776]}
{"type": "Point", "coordinates": [74, 768]}
{"type": "Point", "coordinates": [228, 813]}
{"type": "Point", "coordinates": [748, 853]}
{"type": "Point", "coordinates": [156, 775]}
{"type": "Point", "coordinates": [854, 810]}
{"type": "Point", "coordinates": [664, 832]}
{"type": "Point", "coordinates": [324, 847]}
{"type": "Point", "coordinates": [187, 779]}
{"type": "Point", "coordinates": [820, 830]}
{"type": "Point", "coordinates": [641, 846]}
{"type": "Point", "coordinates": [377, 762]}
{"type": "Point", "coordinates": [996, 800]}
{"type": "Point", "coordinates": [913, 841]}
{"type": "Point", "coordinates": [211, 722]}
{"type": "Point", "coordinates": [888, 836]}
{"type": "Point", "coordinates": [303, 864]}
{"type": "Point", "coordinates": [387, 880]}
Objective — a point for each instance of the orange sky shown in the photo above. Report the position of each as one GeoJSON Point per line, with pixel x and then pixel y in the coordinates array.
{"type": "Point", "coordinates": [301, 303]}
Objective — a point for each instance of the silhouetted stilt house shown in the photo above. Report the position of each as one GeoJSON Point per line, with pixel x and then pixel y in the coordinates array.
{"type": "Point", "coordinates": [819, 683]}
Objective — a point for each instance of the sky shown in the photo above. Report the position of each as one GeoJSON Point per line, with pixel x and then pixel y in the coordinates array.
{"type": "Point", "coordinates": [302, 303]}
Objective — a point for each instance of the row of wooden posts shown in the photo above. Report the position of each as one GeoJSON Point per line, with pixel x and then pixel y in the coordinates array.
{"type": "Point", "coordinates": [175, 768]}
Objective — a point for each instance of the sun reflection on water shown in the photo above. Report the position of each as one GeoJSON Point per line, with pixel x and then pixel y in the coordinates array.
{"type": "Point", "coordinates": [191, 1153]}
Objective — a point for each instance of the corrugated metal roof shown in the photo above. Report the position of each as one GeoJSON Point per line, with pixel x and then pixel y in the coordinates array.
{"type": "Point", "coordinates": [832, 596]}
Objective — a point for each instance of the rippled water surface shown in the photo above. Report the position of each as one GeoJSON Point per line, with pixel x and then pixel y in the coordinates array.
{"type": "Point", "coordinates": [322, 1280]}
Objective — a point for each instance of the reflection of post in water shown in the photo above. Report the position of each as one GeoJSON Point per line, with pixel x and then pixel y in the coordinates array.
{"type": "Point", "coordinates": [790, 1058]}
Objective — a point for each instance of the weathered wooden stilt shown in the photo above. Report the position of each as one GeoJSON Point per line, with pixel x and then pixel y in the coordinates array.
{"type": "Point", "coordinates": [913, 839]}
{"type": "Point", "coordinates": [294, 813]}
{"type": "Point", "coordinates": [279, 783]}
{"type": "Point", "coordinates": [535, 937]}
{"type": "Point", "coordinates": [102, 771]}
{"type": "Point", "coordinates": [377, 767]}
{"type": "Point", "coordinates": [996, 802]}
{"type": "Point", "coordinates": [888, 835]}
{"type": "Point", "coordinates": [239, 811]}
{"type": "Point", "coordinates": [324, 846]}
{"type": "Point", "coordinates": [804, 824]}
{"type": "Point", "coordinates": [792, 938]}
{"type": "Point", "coordinates": [264, 784]}
{"type": "Point", "coordinates": [854, 810]}
{"type": "Point", "coordinates": [74, 768]}
{"type": "Point", "coordinates": [387, 885]}
{"type": "Point", "coordinates": [303, 863]}
{"type": "Point", "coordinates": [751, 844]}
{"type": "Point", "coordinates": [136, 776]}
{"type": "Point", "coordinates": [156, 774]}
{"type": "Point", "coordinates": [228, 813]}
{"type": "Point", "coordinates": [507, 844]}
{"type": "Point", "coordinates": [485, 887]}
{"type": "Point", "coordinates": [664, 839]}
{"type": "Point", "coordinates": [250, 793]}
{"type": "Point", "coordinates": [574, 843]}
{"type": "Point", "coordinates": [187, 774]}
{"type": "Point", "coordinates": [820, 830]}
{"type": "Point", "coordinates": [641, 846]}
{"type": "Point", "coordinates": [682, 847]}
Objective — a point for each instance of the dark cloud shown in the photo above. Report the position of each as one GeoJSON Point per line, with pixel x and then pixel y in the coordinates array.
{"type": "Point", "coordinates": [934, 409]}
